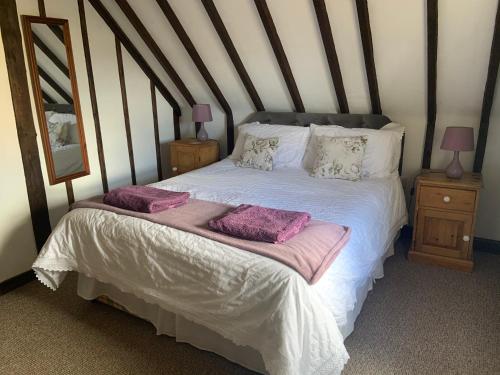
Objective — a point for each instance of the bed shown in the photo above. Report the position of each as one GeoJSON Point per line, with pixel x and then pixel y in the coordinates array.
{"type": "Point", "coordinates": [250, 309]}
{"type": "Point", "coordinates": [65, 140]}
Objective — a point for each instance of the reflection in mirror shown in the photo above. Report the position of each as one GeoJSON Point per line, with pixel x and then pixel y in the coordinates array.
{"type": "Point", "coordinates": [56, 97]}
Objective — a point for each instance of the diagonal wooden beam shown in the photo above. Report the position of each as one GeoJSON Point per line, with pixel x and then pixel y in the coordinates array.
{"type": "Point", "coordinates": [366, 41]}
{"type": "Point", "coordinates": [432, 46]}
{"type": "Point", "coordinates": [156, 129]}
{"type": "Point", "coordinates": [25, 126]}
{"type": "Point", "coordinates": [214, 16]}
{"type": "Point", "coordinates": [489, 93]}
{"type": "Point", "coordinates": [155, 50]}
{"type": "Point", "coordinates": [56, 30]}
{"type": "Point", "coordinates": [51, 55]}
{"type": "Point", "coordinates": [49, 99]}
{"type": "Point", "coordinates": [136, 55]}
{"type": "Point", "coordinates": [93, 96]}
{"type": "Point", "coordinates": [279, 52]}
{"type": "Point", "coordinates": [126, 117]}
{"type": "Point", "coordinates": [47, 78]}
{"type": "Point", "coordinates": [202, 68]}
{"type": "Point", "coordinates": [331, 54]}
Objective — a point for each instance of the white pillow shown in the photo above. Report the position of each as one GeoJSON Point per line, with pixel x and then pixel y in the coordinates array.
{"type": "Point", "coordinates": [292, 144]}
{"type": "Point", "coordinates": [382, 152]}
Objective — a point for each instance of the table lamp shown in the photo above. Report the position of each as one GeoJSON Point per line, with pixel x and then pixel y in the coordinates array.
{"type": "Point", "coordinates": [202, 113]}
{"type": "Point", "coordinates": [456, 139]}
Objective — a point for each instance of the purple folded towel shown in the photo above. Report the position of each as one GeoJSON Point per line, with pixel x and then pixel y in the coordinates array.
{"type": "Point", "coordinates": [263, 224]}
{"type": "Point", "coordinates": [144, 198]}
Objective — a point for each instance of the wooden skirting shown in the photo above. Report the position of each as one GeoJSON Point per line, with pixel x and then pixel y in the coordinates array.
{"type": "Point", "coordinates": [486, 245]}
{"type": "Point", "coordinates": [16, 282]}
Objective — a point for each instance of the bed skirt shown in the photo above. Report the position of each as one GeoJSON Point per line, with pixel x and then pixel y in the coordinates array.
{"type": "Point", "coordinates": [174, 325]}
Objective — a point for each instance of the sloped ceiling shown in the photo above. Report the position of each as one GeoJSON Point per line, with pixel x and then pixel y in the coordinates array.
{"type": "Point", "coordinates": [399, 39]}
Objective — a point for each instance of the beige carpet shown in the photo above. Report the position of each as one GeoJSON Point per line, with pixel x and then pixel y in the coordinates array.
{"type": "Point", "coordinates": [417, 320]}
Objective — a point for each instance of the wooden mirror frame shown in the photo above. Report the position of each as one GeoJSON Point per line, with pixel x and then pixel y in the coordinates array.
{"type": "Point", "coordinates": [27, 21]}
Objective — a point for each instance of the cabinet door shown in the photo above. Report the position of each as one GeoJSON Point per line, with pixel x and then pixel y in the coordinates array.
{"type": "Point", "coordinates": [184, 159]}
{"type": "Point", "coordinates": [444, 233]}
{"type": "Point", "coordinates": [207, 155]}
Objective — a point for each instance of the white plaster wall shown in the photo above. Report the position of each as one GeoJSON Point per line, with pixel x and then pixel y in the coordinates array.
{"type": "Point", "coordinates": [399, 39]}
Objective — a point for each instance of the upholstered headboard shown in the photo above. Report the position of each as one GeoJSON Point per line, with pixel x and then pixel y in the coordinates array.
{"type": "Point", "coordinates": [59, 108]}
{"type": "Point", "coordinates": [305, 119]}
{"type": "Point", "coordinates": [343, 119]}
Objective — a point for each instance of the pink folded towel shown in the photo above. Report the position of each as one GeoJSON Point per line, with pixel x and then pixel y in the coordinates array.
{"type": "Point", "coordinates": [263, 224]}
{"type": "Point", "coordinates": [145, 198]}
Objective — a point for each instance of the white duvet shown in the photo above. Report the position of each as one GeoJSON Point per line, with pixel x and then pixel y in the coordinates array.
{"type": "Point", "coordinates": [248, 299]}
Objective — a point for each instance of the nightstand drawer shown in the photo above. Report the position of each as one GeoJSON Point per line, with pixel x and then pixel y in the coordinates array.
{"type": "Point", "coordinates": [448, 199]}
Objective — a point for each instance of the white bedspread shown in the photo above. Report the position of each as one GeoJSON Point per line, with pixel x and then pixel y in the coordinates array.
{"type": "Point", "coordinates": [246, 298]}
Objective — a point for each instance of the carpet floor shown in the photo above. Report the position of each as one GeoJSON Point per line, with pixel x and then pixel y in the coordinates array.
{"type": "Point", "coordinates": [417, 320]}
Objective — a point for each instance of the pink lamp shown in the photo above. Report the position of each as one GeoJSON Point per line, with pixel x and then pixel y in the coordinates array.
{"type": "Point", "coordinates": [457, 138]}
{"type": "Point", "coordinates": [202, 113]}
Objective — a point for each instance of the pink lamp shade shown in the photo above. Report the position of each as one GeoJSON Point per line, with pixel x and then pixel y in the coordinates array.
{"type": "Point", "coordinates": [458, 138]}
{"type": "Point", "coordinates": [202, 113]}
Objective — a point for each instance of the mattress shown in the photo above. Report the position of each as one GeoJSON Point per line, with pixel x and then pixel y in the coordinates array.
{"type": "Point", "coordinates": [249, 300]}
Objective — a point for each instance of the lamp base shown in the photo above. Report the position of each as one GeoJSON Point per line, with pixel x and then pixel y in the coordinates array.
{"type": "Point", "coordinates": [454, 169]}
{"type": "Point", "coordinates": [202, 135]}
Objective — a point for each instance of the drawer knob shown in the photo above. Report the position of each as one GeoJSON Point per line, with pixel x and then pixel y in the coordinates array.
{"type": "Point", "coordinates": [446, 199]}
{"type": "Point", "coordinates": [174, 169]}
{"type": "Point", "coordinates": [466, 238]}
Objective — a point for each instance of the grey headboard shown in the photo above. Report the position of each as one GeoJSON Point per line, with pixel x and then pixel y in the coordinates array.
{"type": "Point", "coordinates": [59, 108]}
{"type": "Point", "coordinates": [343, 119]}
{"type": "Point", "coordinates": [305, 119]}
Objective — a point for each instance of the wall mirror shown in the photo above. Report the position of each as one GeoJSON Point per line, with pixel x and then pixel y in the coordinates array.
{"type": "Point", "coordinates": [50, 58]}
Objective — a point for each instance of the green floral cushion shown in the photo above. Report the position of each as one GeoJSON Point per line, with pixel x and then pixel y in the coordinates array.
{"type": "Point", "coordinates": [258, 152]}
{"type": "Point", "coordinates": [339, 157]}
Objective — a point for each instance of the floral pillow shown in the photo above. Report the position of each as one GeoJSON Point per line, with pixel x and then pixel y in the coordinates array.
{"type": "Point", "coordinates": [258, 152]}
{"type": "Point", "coordinates": [339, 157]}
{"type": "Point", "coordinates": [57, 135]}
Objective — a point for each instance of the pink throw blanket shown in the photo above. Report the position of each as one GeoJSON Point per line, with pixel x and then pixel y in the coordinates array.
{"type": "Point", "coordinates": [144, 198]}
{"type": "Point", "coordinates": [261, 223]}
{"type": "Point", "coordinates": [310, 252]}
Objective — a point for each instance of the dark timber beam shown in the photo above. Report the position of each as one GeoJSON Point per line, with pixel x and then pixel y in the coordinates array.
{"type": "Point", "coordinates": [47, 78]}
{"type": "Point", "coordinates": [432, 46]}
{"type": "Point", "coordinates": [93, 97]}
{"type": "Point", "coordinates": [56, 30]}
{"type": "Point", "coordinates": [14, 59]}
{"type": "Point", "coordinates": [489, 92]}
{"type": "Point", "coordinates": [155, 50]}
{"type": "Point", "coordinates": [366, 41]}
{"type": "Point", "coordinates": [156, 128]}
{"type": "Point", "coordinates": [233, 54]}
{"type": "Point", "coordinates": [129, 46]}
{"type": "Point", "coordinates": [51, 55]}
{"type": "Point", "coordinates": [331, 54]}
{"type": "Point", "coordinates": [126, 117]}
{"type": "Point", "coordinates": [279, 52]}
{"type": "Point", "coordinates": [41, 8]}
{"type": "Point", "coordinates": [200, 65]}
{"type": "Point", "coordinates": [49, 99]}
{"type": "Point", "coordinates": [69, 192]}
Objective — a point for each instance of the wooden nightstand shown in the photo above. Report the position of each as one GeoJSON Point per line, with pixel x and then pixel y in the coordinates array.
{"type": "Point", "coordinates": [445, 215]}
{"type": "Point", "coordinates": [190, 154]}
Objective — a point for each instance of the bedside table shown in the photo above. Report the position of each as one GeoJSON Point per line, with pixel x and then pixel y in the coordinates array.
{"type": "Point", "coordinates": [190, 154]}
{"type": "Point", "coordinates": [445, 215]}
